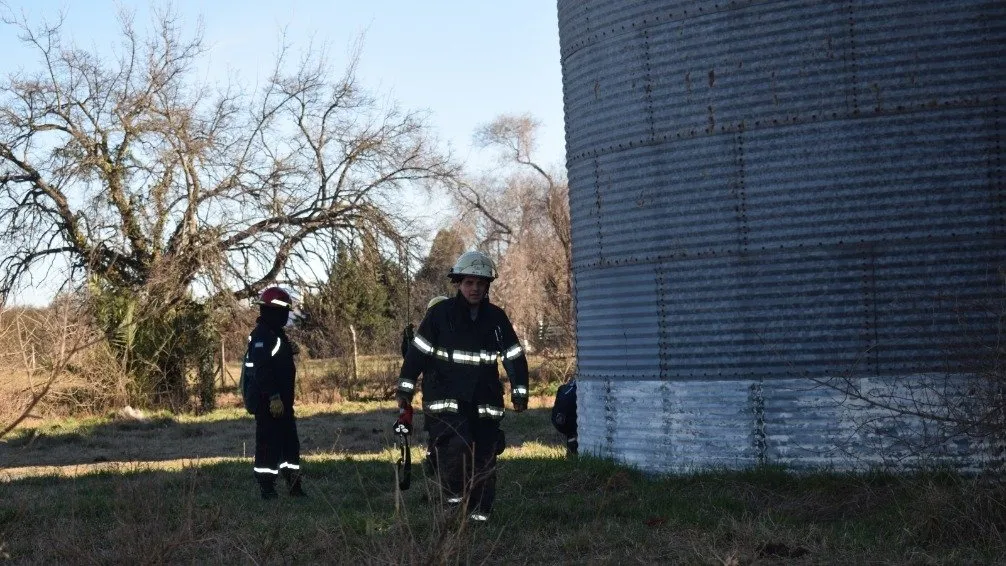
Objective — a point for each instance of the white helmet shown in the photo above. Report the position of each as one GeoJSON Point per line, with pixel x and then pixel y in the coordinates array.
{"type": "Point", "coordinates": [433, 302]}
{"type": "Point", "coordinates": [473, 263]}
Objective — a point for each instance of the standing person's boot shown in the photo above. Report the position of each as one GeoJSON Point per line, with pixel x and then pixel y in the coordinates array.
{"type": "Point", "coordinates": [293, 482]}
{"type": "Point", "coordinates": [478, 517]}
{"type": "Point", "coordinates": [268, 489]}
{"type": "Point", "coordinates": [296, 489]}
{"type": "Point", "coordinates": [572, 447]}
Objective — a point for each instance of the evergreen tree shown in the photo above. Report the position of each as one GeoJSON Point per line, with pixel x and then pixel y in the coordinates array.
{"type": "Point", "coordinates": [358, 293]}
{"type": "Point", "coordinates": [431, 279]}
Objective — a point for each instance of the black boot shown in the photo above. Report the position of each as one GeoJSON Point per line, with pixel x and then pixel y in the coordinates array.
{"type": "Point", "coordinates": [296, 490]}
{"type": "Point", "coordinates": [572, 447]}
{"type": "Point", "coordinates": [268, 490]}
{"type": "Point", "coordinates": [293, 482]}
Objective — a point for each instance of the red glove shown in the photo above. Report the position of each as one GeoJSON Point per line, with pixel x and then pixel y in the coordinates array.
{"type": "Point", "coordinates": [404, 422]}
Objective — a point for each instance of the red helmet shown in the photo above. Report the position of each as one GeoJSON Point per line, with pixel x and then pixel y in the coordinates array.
{"type": "Point", "coordinates": [275, 297]}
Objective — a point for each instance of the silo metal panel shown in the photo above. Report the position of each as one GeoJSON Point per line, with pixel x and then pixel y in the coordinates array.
{"type": "Point", "coordinates": [729, 318]}
{"type": "Point", "coordinates": [766, 195]}
{"type": "Point", "coordinates": [890, 177]}
{"type": "Point", "coordinates": [670, 202]}
{"type": "Point", "coordinates": [810, 424]}
{"type": "Point", "coordinates": [705, 84]}
{"type": "Point", "coordinates": [667, 426]}
{"type": "Point", "coordinates": [620, 335]}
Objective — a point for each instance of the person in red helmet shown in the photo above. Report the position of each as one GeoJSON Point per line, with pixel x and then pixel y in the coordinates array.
{"type": "Point", "coordinates": [268, 383]}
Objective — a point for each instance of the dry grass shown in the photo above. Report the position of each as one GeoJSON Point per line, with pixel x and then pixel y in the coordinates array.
{"type": "Point", "coordinates": [172, 490]}
{"type": "Point", "coordinates": [331, 380]}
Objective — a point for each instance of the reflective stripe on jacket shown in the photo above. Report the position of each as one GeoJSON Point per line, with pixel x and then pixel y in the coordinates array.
{"type": "Point", "coordinates": [460, 357]}
{"type": "Point", "coordinates": [271, 354]}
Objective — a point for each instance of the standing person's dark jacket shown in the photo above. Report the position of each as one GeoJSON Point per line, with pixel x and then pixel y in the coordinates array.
{"type": "Point", "coordinates": [272, 353]}
{"type": "Point", "coordinates": [460, 359]}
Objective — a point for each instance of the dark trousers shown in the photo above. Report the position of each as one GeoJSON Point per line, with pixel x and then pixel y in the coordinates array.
{"type": "Point", "coordinates": [462, 449]}
{"type": "Point", "coordinates": [277, 447]}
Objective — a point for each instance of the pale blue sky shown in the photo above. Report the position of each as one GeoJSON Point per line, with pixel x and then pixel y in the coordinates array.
{"type": "Point", "coordinates": [464, 61]}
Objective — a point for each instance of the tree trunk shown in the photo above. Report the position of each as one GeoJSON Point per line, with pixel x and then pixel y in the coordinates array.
{"type": "Point", "coordinates": [355, 375]}
{"type": "Point", "coordinates": [207, 381]}
{"type": "Point", "coordinates": [223, 363]}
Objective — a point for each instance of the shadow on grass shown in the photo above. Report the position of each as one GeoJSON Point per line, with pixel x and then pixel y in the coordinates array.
{"type": "Point", "coordinates": [211, 513]}
{"type": "Point", "coordinates": [164, 438]}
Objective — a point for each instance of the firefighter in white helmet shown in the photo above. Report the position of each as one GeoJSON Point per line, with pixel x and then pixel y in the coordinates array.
{"type": "Point", "coordinates": [458, 347]}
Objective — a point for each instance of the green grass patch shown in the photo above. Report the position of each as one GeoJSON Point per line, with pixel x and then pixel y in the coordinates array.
{"type": "Point", "coordinates": [550, 510]}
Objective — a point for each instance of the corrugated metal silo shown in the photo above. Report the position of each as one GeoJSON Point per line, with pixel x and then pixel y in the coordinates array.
{"type": "Point", "coordinates": [778, 206]}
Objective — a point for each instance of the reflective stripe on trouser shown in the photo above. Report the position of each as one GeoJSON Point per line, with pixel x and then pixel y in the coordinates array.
{"type": "Point", "coordinates": [277, 448]}
{"type": "Point", "coordinates": [490, 412]}
{"type": "Point", "coordinates": [464, 449]}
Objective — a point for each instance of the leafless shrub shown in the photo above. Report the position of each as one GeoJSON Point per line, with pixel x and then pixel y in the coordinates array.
{"type": "Point", "coordinates": [94, 384]}
{"type": "Point", "coordinates": [42, 345]}
{"type": "Point", "coordinates": [521, 217]}
{"type": "Point", "coordinates": [555, 369]}
{"type": "Point", "coordinates": [950, 409]}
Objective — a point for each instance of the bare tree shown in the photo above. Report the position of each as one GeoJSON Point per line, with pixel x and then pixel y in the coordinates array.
{"type": "Point", "coordinates": [37, 347]}
{"type": "Point", "coordinates": [137, 174]}
{"type": "Point", "coordinates": [515, 137]}
{"type": "Point", "coordinates": [152, 185]}
{"type": "Point", "coordinates": [522, 217]}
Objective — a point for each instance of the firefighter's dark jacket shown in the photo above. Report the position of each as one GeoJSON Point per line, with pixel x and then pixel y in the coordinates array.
{"type": "Point", "coordinates": [459, 359]}
{"type": "Point", "coordinates": [271, 352]}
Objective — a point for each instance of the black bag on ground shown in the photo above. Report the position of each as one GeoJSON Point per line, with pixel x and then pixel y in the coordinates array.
{"type": "Point", "coordinates": [564, 409]}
